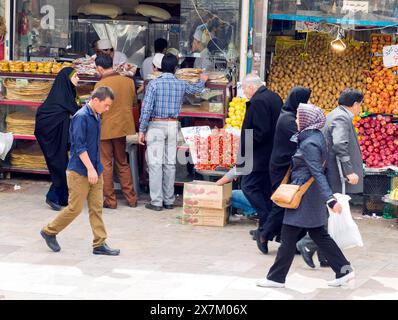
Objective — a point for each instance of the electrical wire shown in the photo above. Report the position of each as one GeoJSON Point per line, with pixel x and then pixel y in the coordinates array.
{"type": "Point", "coordinates": [207, 29]}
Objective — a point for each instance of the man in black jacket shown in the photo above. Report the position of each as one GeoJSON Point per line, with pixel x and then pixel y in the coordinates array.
{"type": "Point", "coordinates": [256, 143]}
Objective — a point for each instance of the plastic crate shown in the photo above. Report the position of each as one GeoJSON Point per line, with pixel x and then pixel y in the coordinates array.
{"type": "Point", "coordinates": [376, 184]}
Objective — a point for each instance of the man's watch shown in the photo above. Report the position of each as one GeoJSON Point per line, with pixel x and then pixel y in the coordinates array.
{"type": "Point", "coordinates": [331, 203]}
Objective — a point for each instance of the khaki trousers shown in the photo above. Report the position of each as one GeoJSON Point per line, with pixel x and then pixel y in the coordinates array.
{"type": "Point", "coordinates": [114, 151]}
{"type": "Point", "coordinates": [79, 191]}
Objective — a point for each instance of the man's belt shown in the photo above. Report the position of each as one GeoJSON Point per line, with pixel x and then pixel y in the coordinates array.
{"type": "Point", "coordinates": [163, 119]}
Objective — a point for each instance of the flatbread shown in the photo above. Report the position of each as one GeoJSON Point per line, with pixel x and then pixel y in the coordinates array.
{"type": "Point", "coordinates": [155, 13]}
{"type": "Point", "coordinates": [101, 9]}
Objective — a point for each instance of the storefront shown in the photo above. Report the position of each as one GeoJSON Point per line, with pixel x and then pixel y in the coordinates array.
{"type": "Point", "coordinates": [46, 34]}
{"type": "Point", "coordinates": [328, 46]}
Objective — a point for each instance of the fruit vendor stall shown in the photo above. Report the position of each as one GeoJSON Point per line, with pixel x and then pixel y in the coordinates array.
{"type": "Point", "coordinates": [328, 47]}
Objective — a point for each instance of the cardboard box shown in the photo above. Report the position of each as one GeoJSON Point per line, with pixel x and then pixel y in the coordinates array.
{"type": "Point", "coordinates": [205, 217]}
{"type": "Point", "coordinates": [204, 194]}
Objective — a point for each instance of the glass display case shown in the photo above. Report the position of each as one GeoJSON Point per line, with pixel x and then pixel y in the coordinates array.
{"type": "Point", "coordinates": [39, 25]}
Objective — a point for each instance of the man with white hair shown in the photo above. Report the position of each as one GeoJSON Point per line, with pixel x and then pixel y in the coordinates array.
{"type": "Point", "coordinates": [262, 114]}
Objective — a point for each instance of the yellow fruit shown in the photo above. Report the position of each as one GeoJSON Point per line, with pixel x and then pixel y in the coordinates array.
{"type": "Point", "coordinates": [227, 126]}
{"type": "Point", "coordinates": [232, 110]}
{"type": "Point", "coordinates": [228, 121]}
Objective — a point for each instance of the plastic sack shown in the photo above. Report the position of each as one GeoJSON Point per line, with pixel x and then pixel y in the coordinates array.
{"type": "Point", "coordinates": [342, 228]}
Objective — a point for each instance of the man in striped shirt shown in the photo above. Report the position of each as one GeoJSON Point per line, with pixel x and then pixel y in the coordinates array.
{"type": "Point", "coordinates": [159, 128]}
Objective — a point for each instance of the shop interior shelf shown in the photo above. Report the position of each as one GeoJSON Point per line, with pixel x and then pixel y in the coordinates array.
{"type": "Point", "coordinates": [23, 170]}
{"type": "Point", "coordinates": [43, 76]}
{"type": "Point", "coordinates": [199, 112]}
{"type": "Point", "coordinates": [24, 137]}
{"type": "Point", "coordinates": [20, 103]}
{"type": "Point", "coordinates": [368, 20]}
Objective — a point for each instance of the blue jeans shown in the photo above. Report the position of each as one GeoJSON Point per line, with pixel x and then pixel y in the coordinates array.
{"type": "Point", "coordinates": [239, 201]}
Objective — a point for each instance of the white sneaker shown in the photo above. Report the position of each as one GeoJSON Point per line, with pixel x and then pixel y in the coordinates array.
{"type": "Point", "coordinates": [234, 218]}
{"type": "Point", "coordinates": [265, 283]}
{"type": "Point", "coordinates": [343, 280]}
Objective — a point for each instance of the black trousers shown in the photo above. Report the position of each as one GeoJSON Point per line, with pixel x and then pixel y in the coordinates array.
{"type": "Point", "coordinates": [257, 189]}
{"type": "Point", "coordinates": [272, 227]}
{"type": "Point", "coordinates": [286, 252]}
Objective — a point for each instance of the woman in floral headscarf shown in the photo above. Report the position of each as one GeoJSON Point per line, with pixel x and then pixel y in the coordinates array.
{"type": "Point", "coordinates": [311, 215]}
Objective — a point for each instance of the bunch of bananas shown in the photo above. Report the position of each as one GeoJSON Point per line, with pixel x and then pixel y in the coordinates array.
{"type": "Point", "coordinates": [394, 194]}
{"type": "Point", "coordinates": [236, 113]}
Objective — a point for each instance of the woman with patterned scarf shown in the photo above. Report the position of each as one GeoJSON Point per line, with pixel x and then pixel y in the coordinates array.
{"type": "Point", "coordinates": [311, 215]}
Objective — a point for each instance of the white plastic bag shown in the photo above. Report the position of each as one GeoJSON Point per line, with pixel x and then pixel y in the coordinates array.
{"type": "Point", "coordinates": [342, 227]}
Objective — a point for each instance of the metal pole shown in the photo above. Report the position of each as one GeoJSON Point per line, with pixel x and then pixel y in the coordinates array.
{"type": "Point", "coordinates": [244, 34]}
{"type": "Point", "coordinates": [264, 40]}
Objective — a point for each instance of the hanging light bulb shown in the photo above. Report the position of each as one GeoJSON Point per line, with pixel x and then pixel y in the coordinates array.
{"type": "Point", "coordinates": [338, 44]}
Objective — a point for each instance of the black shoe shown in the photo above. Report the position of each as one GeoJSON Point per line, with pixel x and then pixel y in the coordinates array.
{"type": "Point", "coordinates": [105, 250]}
{"type": "Point", "coordinates": [253, 234]}
{"type": "Point", "coordinates": [324, 264]}
{"type": "Point", "coordinates": [307, 255]}
{"type": "Point", "coordinates": [168, 206]}
{"type": "Point", "coordinates": [51, 241]}
{"type": "Point", "coordinates": [53, 205]}
{"type": "Point", "coordinates": [150, 206]}
{"type": "Point", "coordinates": [262, 246]}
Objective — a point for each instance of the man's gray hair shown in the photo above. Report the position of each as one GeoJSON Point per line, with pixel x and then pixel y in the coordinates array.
{"type": "Point", "coordinates": [252, 80]}
{"type": "Point", "coordinates": [102, 93]}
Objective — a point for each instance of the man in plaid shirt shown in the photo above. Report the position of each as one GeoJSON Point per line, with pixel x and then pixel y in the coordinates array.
{"type": "Point", "coordinates": [159, 128]}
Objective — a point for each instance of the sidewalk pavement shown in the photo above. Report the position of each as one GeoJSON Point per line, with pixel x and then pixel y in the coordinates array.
{"type": "Point", "coordinates": [162, 259]}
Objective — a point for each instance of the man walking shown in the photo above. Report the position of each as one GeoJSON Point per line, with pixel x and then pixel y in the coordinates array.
{"type": "Point", "coordinates": [117, 123]}
{"type": "Point", "coordinates": [344, 151]}
{"type": "Point", "coordinates": [84, 174]}
{"type": "Point", "coordinates": [262, 114]}
{"type": "Point", "coordinates": [159, 128]}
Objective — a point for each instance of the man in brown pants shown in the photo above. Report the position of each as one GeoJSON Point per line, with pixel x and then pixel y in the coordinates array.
{"type": "Point", "coordinates": [116, 125]}
{"type": "Point", "coordinates": [84, 174]}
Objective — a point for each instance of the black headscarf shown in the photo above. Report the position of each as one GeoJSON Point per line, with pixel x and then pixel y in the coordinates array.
{"type": "Point", "coordinates": [52, 125]}
{"type": "Point", "coordinates": [284, 149]}
{"type": "Point", "coordinates": [60, 102]}
{"type": "Point", "coordinates": [296, 96]}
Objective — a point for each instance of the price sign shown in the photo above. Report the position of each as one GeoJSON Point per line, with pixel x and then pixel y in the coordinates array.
{"type": "Point", "coordinates": [21, 83]}
{"type": "Point", "coordinates": [356, 6]}
{"type": "Point", "coordinates": [390, 56]}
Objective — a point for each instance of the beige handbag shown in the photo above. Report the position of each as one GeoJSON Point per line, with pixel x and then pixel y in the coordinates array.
{"type": "Point", "coordinates": [289, 195]}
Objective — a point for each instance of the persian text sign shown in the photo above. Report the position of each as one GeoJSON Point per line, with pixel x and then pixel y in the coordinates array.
{"type": "Point", "coordinates": [356, 6]}
{"type": "Point", "coordinates": [390, 56]}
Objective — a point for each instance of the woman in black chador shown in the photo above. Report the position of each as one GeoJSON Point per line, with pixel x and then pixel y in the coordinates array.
{"type": "Point", "coordinates": [52, 133]}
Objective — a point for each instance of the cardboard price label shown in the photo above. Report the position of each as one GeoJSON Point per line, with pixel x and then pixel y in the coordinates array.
{"type": "Point", "coordinates": [390, 56]}
{"type": "Point", "coordinates": [21, 83]}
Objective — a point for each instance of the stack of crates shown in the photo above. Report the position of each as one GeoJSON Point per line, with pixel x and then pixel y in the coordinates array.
{"type": "Point", "coordinates": [376, 186]}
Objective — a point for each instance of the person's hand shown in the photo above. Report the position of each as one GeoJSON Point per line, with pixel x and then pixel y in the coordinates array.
{"type": "Point", "coordinates": [141, 138]}
{"type": "Point", "coordinates": [353, 178]}
{"type": "Point", "coordinates": [337, 208]}
{"type": "Point", "coordinates": [92, 176]}
{"type": "Point", "coordinates": [204, 77]}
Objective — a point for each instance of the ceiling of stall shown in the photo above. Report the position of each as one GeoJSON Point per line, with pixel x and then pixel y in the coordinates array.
{"type": "Point", "coordinates": [126, 5]}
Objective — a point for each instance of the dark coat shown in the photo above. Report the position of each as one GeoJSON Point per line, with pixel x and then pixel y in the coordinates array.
{"type": "Point", "coordinates": [52, 125]}
{"type": "Point", "coordinates": [286, 127]}
{"type": "Point", "coordinates": [342, 142]}
{"type": "Point", "coordinates": [262, 113]}
{"type": "Point", "coordinates": [308, 161]}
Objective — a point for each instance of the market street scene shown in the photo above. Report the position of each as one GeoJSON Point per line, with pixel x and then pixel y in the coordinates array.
{"type": "Point", "coordinates": [198, 150]}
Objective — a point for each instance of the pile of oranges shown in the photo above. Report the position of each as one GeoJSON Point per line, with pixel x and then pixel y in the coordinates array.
{"type": "Point", "coordinates": [381, 83]}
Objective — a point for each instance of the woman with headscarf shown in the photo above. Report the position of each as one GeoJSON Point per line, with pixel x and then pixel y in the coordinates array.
{"type": "Point", "coordinates": [311, 215]}
{"type": "Point", "coordinates": [282, 153]}
{"type": "Point", "coordinates": [52, 133]}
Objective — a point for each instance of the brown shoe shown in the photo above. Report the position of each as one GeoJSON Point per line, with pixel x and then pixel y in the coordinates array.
{"type": "Point", "coordinates": [133, 205]}
{"type": "Point", "coordinates": [108, 206]}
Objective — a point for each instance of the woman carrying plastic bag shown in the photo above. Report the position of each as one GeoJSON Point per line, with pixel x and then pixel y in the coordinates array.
{"type": "Point", "coordinates": [342, 228]}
